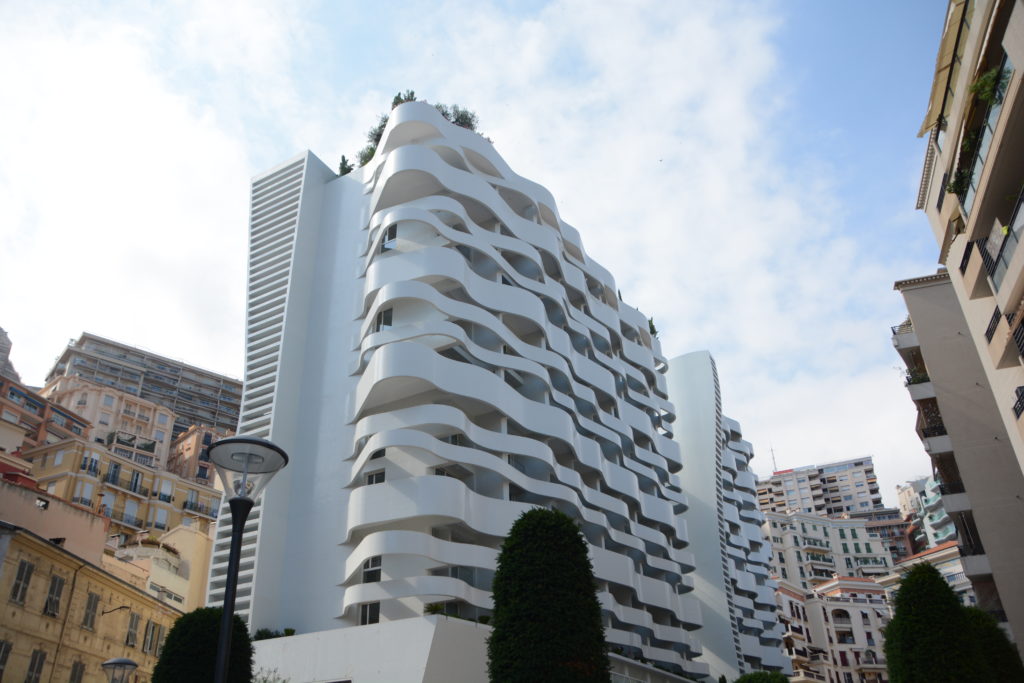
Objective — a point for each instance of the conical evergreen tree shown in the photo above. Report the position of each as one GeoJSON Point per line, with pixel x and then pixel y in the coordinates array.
{"type": "Point", "coordinates": [927, 640]}
{"type": "Point", "coordinates": [995, 656]}
{"type": "Point", "coordinates": [190, 651]}
{"type": "Point", "coordinates": [547, 619]}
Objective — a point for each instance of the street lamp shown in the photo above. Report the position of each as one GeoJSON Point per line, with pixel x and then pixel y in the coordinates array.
{"type": "Point", "coordinates": [245, 465]}
{"type": "Point", "coordinates": [119, 668]}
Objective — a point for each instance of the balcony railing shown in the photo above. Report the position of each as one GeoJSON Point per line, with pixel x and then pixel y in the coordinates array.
{"type": "Point", "coordinates": [993, 323]}
{"type": "Point", "coordinates": [130, 520]}
{"type": "Point", "coordinates": [950, 489]}
{"type": "Point", "coordinates": [87, 502]}
{"type": "Point", "coordinates": [125, 483]}
{"type": "Point", "coordinates": [208, 510]}
{"type": "Point", "coordinates": [903, 328]}
{"type": "Point", "coordinates": [935, 429]}
{"type": "Point", "coordinates": [1018, 405]}
{"type": "Point", "coordinates": [967, 257]}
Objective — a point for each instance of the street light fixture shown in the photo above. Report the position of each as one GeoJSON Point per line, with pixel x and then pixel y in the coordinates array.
{"type": "Point", "coordinates": [245, 465]}
{"type": "Point", "coordinates": [119, 669]}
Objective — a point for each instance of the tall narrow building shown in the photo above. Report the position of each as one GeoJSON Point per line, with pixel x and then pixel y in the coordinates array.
{"type": "Point", "coordinates": [741, 631]}
{"type": "Point", "coordinates": [972, 193]}
{"type": "Point", "coordinates": [431, 344]}
{"type": "Point", "coordinates": [960, 428]}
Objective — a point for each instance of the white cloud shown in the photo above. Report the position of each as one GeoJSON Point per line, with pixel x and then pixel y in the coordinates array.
{"type": "Point", "coordinates": [130, 135]}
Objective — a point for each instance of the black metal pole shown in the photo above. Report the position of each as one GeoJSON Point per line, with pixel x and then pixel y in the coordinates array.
{"type": "Point", "coordinates": [240, 508]}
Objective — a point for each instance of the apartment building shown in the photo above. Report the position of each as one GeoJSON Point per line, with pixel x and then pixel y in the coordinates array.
{"type": "Point", "coordinates": [194, 395]}
{"type": "Point", "coordinates": [130, 426]}
{"type": "Point", "coordinates": [432, 339]}
{"type": "Point", "coordinates": [830, 489]}
{"type": "Point", "coordinates": [972, 454]}
{"type": "Point", "coordinates": [40, 421]}
{"type": "Point", "coordinates": [189, 458]}
{"type": "Point", "coordinates": [741, 631]}
{"type": "Point", "coordinates": [834, 632]}
{"type": "Point", "coordinates": [891, 527]}
{"type": "Point", "coordinates": [135, 497]}
{"type": "Point", "coordinates": [808, 549]}
{"type": "Point", "coordinates": [64, 615]}
{"type": "Point", "coordinates": [947, 559]}
{"type": "Point", "coordinates": [6, 367]}
{"type": "Point", "coordinates": [172, 566]}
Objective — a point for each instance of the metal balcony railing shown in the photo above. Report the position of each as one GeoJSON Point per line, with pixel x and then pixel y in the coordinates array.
{"type": "Point", "coordinates": [949, 489]}
{"type": "Point", "coordinates": [936, 429]}
{"type": "Point", "coordinates": [993, 323]}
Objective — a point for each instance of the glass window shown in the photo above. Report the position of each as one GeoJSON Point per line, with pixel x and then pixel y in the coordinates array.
{"type": "Point", "coordinates": [35, 666]}
{"type": "Point", "coordinates": [375, 477]}
{"type": "Point", "coordinates": [161, 418]}
{"type": "Point", "coordinates": [369, 613]}
{"type": "Point", "coordinates": [89, 618]}
{"type": "Point", "coordinates": [108, 400]}
{"type": "Point", "coordinates": [5, 652]}
{"type": "Point", "coordinates": [21, 581]}
{"type": "Point", "coordinates": [371, 570]}
{"type": "Point", "coordinates": [77, 671]}
{"type": "Point", "coordinates": [131, 636]}
{"type": "Point", "coordinates": [390, 238]}
{"type": "Point", "coordinates": [52, 606]}
{"type": "Point", "coordinates": [383, 320]}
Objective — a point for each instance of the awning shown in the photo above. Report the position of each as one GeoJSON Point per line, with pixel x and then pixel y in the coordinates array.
{"type": "Point", "coordinates": [943, 62]}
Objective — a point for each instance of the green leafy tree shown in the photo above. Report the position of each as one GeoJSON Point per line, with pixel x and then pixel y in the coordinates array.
{"type": "Point", "coordinates": [547, 619]}
{"type": "Point", "coordinates": [925, 641]}
{"type": "Point", "coordinates": [190, 651]}
{"type": "Point", "coordinates": [762, 677]}
{"type": "Point", "coordinates": [454, 113]}
{"type": "Point", "coordinates": [996, 657]}
{"type": "Point", "coordinates": [345, 167]}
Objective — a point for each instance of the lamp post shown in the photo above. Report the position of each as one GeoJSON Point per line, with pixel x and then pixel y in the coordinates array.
{"type": "Point", "coordinates": [119, 668]}
{"type": "Point", "coordinates": [245, 465]}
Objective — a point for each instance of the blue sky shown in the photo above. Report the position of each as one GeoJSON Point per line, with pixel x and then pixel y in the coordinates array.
{"type": "Point", "coordinates": [747, 170]}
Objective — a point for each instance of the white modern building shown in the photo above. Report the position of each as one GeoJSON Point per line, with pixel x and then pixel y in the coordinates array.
{"type": "Point", "coordinates": [428, 340]}
{"type": "Point", "coordinates": [741, 631]}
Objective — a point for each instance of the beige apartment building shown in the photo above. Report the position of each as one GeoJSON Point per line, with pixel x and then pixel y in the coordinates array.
{"type": "Point", "coordinates": [130, 426]}
{"type": "Point", "coordinates": [173, 566]}
{"type": "Point", "coordinates": [834, 632]}
{"type": "Point", "coordinates": [135, 497]}
{"type": "Point", "coordinates": [39, 420]}
{"type": "Point", "coordinates": [189, 458]}
{"type": "Point", "coordinates": [65, 613]}
{"type": "Point", "coordinates": [962, 430]}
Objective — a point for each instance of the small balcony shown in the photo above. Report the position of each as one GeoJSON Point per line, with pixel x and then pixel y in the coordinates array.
{"type": "Point", "coordinates": [903, 336]}
{"type": "Point", "coordinates": [200, 509]}
{"type": "Point", "coordinates": [973, 268]}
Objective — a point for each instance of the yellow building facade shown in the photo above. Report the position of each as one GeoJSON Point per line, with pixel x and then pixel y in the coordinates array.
{"type": "Point", "coordinates": [135, 497]}
{"type": "Point", "coordinates": [64, 616]}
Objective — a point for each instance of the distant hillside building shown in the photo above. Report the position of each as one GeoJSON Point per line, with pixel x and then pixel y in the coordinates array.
{"type": "Point", "coordinates": [32, 420]}
{"type": "Point", "coordinates": [6, 367]}
{"type": "Point", "coordinates": [194, 395]}
{"type": "Point", "coordinates": [830, 489]}
{"type": "Point", "coordinates": [130, 426]}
